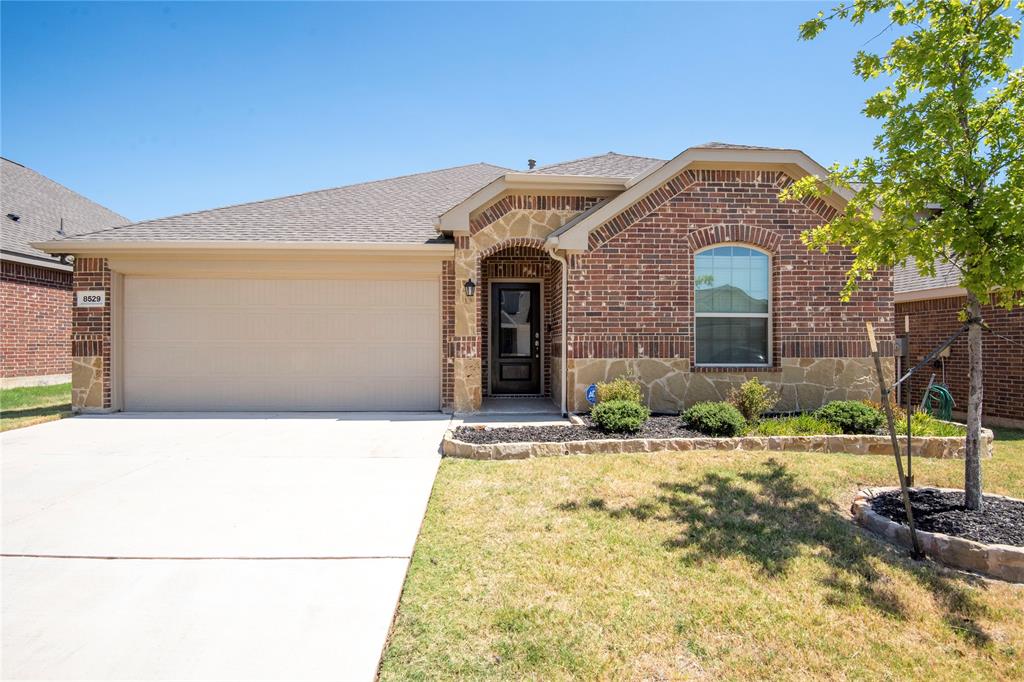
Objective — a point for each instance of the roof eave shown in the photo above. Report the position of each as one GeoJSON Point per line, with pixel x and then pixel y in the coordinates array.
{"type": "Point", "coordinates": [70, 246]}
{"type": "Point", "coordinates": [38, 261]}
{"type": "Point", "coordinates": [456, 219]}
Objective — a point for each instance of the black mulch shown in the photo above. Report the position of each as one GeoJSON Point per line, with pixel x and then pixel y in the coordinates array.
{"type": "Point", "coordinates": [656, 427]}
{"type": "Point", "coordinates": [999, 521]}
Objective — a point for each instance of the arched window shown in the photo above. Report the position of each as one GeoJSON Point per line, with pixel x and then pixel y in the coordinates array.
{"type": "Point", "coordinates": [732, 307]}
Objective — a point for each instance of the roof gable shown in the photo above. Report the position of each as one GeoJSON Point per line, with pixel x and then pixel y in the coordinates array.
{"type": "Point", "coordinates": [574, 235]}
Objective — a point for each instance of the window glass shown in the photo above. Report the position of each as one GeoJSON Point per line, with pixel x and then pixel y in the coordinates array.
{"type": "Point", "coordinates": [731, 305]}
{"type": "Point", "coordinates": [731, 279]}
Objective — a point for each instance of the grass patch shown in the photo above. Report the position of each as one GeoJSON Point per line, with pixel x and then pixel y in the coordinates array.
{"type": "Point", "coordinates": [800, 425]}
{"type": "Point", "coordinates": [692, 565]}
{"type": "Point", "coordinates": [33, 405]}
{"type": "Point", "coordinates": [923, 424]}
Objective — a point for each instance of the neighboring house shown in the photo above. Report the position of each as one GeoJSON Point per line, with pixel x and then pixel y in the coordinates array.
{"type": "Point", "coordinates": [934, 305]}
{"type": "Point", "coordinates": [438, 290]}
{"type": "Point", "coordinates": [35, 287]}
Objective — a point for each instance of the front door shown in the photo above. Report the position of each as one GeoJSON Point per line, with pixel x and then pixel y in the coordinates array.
{"type": "Point", "coordinates": [515, 338]}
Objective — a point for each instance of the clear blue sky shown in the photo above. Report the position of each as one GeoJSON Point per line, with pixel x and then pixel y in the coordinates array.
{"type": "Point", "coordinates": [154, 109]}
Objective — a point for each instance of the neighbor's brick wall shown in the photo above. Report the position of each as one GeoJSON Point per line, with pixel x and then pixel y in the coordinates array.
{"type": "Point", "coordinates": [933, 321]}
{"type": "Point", "coordinates": [35, 320]}
{"type": "Point", "coordinates": [631, 295]}
{"type": "Point", "coordinates": [90, 341]}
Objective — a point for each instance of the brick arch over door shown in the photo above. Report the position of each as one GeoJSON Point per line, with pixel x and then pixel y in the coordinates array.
{"type": "Point", "coordinates": [525, 259]}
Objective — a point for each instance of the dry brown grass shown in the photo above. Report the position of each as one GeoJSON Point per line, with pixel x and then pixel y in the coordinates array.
{"type": "Point", "coordinates": [689, 566]}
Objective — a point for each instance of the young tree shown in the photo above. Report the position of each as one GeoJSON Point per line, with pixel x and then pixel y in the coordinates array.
{"type": "Point", "coordinates": [946, 179]}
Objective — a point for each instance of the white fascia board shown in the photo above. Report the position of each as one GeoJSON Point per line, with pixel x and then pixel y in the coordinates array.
{"type": "Point", "coordinates": [927, 294]}
{"type": "Point", "coordinates": [456, 219]}
{"type": "Point", "coordinates": [75, 247]}
{"type": "Point", "coordinates": [576, 238]}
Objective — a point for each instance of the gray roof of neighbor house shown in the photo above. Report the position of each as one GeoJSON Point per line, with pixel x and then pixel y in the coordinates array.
{"type": "Point", "coordinates": [398, 210]}
{"type": "Point", "coordinates": [39, 204]}
{"type": "Point", "coordinates": [603, 165]}
{"type": "Point", "coordinates": [907, 278]}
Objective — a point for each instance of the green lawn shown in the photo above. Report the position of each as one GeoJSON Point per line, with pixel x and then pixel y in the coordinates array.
{"type": "Point", "coordinates": [692, 565]}
{"type": "Point", "coordinates": [33, 405]}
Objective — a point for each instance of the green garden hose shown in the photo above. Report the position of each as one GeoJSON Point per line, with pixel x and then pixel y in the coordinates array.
{"type": "Point", "coordinates": [939, 402]}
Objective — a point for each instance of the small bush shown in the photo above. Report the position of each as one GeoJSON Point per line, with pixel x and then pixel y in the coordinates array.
{"type": "Point", "coordinates": [851, 416]}
{"type": "Point", "coordinates": [620, 415]}
{"type": "Point", "coordinates": [714, 419]}
{"type": "Point", "coordinates": [752, 399]}
{"type": "Point", "coordinates": [801, 425]}
{"type": "Point", "coordinates": [622, 388]}
{"type": "Point", "coordinates": [898, 412]}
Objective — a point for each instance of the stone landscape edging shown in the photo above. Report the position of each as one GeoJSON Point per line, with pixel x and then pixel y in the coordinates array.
{"type": "Point", "coordinates": [935, 447]}
{"type": "Point", "coordinates": [1005, 562]}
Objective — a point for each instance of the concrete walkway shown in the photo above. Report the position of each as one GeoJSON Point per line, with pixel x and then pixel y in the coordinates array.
{"type": "Point", "coordinates": [184, 546]}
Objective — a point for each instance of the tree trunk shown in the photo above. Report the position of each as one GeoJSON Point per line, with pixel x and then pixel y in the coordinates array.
{"type": "Point", "coordinates": [972, 455]}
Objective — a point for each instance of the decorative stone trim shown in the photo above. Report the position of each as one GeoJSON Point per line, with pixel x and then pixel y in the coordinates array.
{"type": "Point", "coordinates": [933, 447]}
{"type": "Point", "coordinates": [1005, 562]}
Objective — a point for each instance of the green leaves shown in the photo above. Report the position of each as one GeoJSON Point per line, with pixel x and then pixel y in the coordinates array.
{"type": "Point", "coordinates": [946, 176]}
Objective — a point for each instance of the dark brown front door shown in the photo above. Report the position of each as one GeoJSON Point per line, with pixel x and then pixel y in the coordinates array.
{"type": "Point", "coordinates": [515, 338]}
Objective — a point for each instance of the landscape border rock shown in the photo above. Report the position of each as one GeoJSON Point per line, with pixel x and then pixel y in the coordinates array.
{"type": "Point", "coordinates": [1005, 562]}
{"type": "Point", "coordinates": [935, 447]}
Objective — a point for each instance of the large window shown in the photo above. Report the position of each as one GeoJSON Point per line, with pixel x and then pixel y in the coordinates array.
{"type": "Point", "coordinates": [731, 306]}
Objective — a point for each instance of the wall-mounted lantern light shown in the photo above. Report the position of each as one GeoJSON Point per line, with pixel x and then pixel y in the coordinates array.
{"type": "Point", "coordinates": [470, 287]}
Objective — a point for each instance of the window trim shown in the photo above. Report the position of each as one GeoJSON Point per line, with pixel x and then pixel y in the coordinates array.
{"type": "Point", "coordinates": [768, 315]}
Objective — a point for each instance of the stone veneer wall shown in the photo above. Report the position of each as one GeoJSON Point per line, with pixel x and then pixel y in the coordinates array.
{"type": "Point", "coordinates": [933, 321]}
{"type": "Point", "coordinates": [35, 321]}
{"type": "Point", "coordinates": [630, 307]}
{"type": "Point", "coordinates": [512, 222]}
{"type": "Point", "coordinates": [669, 385]}
{"type": "Point", "coordinates": [90, 339]}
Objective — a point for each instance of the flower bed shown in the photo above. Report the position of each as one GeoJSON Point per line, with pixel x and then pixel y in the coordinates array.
{"type": "Point", "coordinates": [999, 524]}
{"type": "Point", "coordinates": [574, 440]}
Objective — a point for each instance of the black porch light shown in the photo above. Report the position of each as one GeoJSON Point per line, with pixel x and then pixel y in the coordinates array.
{"type": "Point", "coordinates": [470, 287]}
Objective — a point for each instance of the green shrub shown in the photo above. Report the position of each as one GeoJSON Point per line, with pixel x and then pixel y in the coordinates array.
{"type": "Point", "coordinates": [752, 399]}
{"type": "Point", "coordinates": [714, 419]}
{"type": "Point", "coordinates": [923, 424]}
{"type": "Point", "coordinates": [851, 416]}
{"type": "Point", "coordinates": [622, 388]}
{"type": "Point", "coordinates": [801, 425]}
{"type": "Point", "coordinates": [620, 415]}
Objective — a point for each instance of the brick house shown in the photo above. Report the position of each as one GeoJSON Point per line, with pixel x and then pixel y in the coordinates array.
{"type": "Point", "coordinates": [933, 305]}
{"type": "Point", "coordinates": [35, 287]}
{"type": "Point", "coordinates": [447, 289]}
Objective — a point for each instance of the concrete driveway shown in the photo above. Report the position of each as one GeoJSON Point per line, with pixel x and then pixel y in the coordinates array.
{"type": "Point", "coordinates": [219, 546]}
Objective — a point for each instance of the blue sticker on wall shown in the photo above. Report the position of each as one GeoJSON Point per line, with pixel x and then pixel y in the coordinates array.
{"type": "Point", "coordinates": [592, 394]}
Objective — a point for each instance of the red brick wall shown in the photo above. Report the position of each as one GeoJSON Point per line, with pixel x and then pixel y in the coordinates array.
{"type": "Point", "coordinates": [91, 337]}
{"type": "Point", "coordinates": [35, 317]}
{"type": "Point", "coordinates": [631, 295]}
{"type": "Point", "coordinates": [935, 320]}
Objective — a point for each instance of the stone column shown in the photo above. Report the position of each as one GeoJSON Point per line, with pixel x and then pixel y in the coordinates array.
{"type": "Point", "coordinates": [90, 339]}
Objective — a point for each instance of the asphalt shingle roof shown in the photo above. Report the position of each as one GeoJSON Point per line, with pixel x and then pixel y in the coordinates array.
{"type": "Point", "coordinates": [604, 165]}
{"type": "Point", "coordinates": [40, 204]}
{"type": "Point", "coordinates": [396, 210]}
{"type": "Point", "coordinates": [907, 278]}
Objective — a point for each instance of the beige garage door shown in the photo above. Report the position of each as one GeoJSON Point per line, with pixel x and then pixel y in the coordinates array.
{"type": "Point", "coordinates": [284, 344]}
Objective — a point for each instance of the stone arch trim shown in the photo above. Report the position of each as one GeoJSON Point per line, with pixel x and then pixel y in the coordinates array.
{"type": "Point", "coordinates": [725, 234]}
{"type": "Point", "coordinates": [515, 242]}
{"type": "Point", "coordinates": [529, 202]}
{"type": "Point", "coordinates": [642, 208]}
